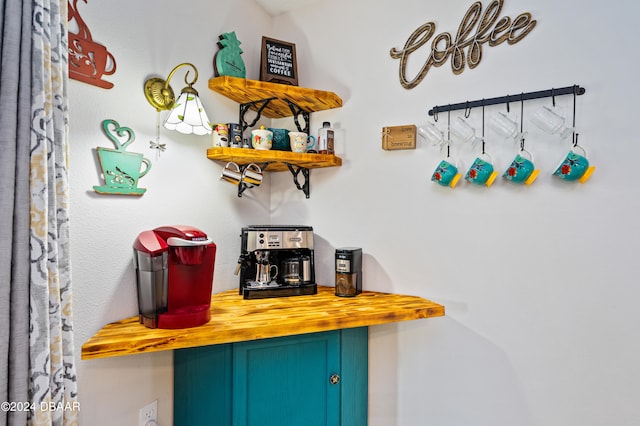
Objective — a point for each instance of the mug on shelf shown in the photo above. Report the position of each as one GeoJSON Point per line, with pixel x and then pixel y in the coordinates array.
{"type": "Point", "coordinates": [261, 138]}
{"type": "Point", "coordinates": [298, 141]}
{"type": "Point", "coordinates": [280, 139]}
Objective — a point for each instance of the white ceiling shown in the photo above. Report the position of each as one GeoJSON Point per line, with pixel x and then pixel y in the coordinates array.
{"type": "Point", "coordinates": [276, 7]}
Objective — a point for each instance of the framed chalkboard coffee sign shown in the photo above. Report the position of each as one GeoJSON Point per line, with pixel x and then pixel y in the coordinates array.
{"type": "Point", "coordinates": [278, 62]}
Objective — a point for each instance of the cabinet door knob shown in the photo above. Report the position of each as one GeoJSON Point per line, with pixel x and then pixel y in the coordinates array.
{"type": "Point", "coordinates": [334, 379]}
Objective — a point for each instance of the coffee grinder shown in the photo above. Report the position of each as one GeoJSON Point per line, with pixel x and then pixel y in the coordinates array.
{"type": "Point", "coordinates": [174, 272]}
{"type": "Point", "coordinates": [348, 271]}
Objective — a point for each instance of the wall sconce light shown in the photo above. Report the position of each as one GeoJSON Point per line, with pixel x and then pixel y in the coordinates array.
{"type": "Point", "coordinates": [187, 114]}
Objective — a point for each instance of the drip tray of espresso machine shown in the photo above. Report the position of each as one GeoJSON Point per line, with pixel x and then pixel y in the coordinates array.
{"type": "Point", "coordinates": [264, 292]}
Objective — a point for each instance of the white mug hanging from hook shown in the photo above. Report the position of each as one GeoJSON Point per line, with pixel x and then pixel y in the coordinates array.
{"type": "Point", "coordinates": [463, 132]}
{"type": "Point", "coordinates": [550, 121]}
{"type": "Point", "coordinates": [506, 126]}
{"type": "Point", "coordinates": [431, 133]}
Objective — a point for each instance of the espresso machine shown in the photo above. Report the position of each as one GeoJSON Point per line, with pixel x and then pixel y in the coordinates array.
{"type": "Point", "coordinates": [174, 274]}
{"type": "Point", "coordinates": [276, 261]}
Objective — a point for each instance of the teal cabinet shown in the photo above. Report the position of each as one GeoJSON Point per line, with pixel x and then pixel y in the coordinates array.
{"type": "Point", "coordinates": [316, 379]}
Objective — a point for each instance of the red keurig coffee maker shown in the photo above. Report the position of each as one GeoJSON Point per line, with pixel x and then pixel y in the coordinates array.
{"type": "Point", "coordinates": [174, 272]}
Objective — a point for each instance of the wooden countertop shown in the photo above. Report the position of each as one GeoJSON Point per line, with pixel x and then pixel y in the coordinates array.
{"type": "Point", "coordinates": [234, 319]}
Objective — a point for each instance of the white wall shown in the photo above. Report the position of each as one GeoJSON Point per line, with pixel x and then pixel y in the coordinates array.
{"type": "Point", "coordinates": [538, 282]}
{"type": "Point", "coordinates": [148, 38]}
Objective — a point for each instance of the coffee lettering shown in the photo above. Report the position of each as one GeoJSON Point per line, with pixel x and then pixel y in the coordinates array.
{"type": "Point", "coordinates": [488, 29]}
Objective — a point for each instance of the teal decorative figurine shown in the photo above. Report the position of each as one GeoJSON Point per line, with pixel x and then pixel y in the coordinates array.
{"type": "Point", "coordinates": [227, 60]}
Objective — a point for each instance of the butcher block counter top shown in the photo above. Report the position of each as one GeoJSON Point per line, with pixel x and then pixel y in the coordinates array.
{"type": "Point", "coordinates": [234, 319]}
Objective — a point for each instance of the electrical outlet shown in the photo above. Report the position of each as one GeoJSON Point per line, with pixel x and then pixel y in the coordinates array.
{"type": "Point", "coordinates": [149, 414]}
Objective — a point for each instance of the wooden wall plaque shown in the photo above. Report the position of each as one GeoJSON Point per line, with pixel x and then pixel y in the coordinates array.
{"type": "Point", "coordinates": [278, 62]}
{"type": "Point", "coordinates": [399, 137]}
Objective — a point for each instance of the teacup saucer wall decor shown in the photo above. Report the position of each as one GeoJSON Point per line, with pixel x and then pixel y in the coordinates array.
{"type": "Point", "coordinates": [89, 61]}
{"type": "Point", "coordinates": [121, 170]}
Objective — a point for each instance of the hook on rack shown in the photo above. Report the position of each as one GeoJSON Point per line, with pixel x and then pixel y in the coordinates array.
{"type": "Point", "coordinates": [522, 113]}
{"type": "Point", "coordinates": [573, 124]}
{"type": "Point", "coordinates": [448, 129]}
{"type": "Point", "coordinates": [483, 126]}
{"type": "Point", "coordinates": [467, 110]}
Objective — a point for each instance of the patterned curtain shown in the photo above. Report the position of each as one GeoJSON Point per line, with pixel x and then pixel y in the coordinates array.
{"type": "Point", "coordinates": [52, 366]}
{"type": "Point", "coordinates": [39, 48]}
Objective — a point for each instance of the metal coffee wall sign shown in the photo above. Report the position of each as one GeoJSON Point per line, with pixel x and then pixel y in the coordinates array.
{"type": "Point", "coordinates": [476, 29]}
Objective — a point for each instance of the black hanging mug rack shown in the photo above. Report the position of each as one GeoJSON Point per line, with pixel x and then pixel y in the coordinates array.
{"type": "Point", "coordinates": [569, 90]}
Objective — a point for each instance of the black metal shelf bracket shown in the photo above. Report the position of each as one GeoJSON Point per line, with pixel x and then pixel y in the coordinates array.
{"type": "Point", "coordinates": [297, 111]}
{"type": "Point", "coordinates": [295, 171]}
{"type": "Point", "coordinates": [260, 105]}
{"type": "Point", "coordinates": [569, 90]}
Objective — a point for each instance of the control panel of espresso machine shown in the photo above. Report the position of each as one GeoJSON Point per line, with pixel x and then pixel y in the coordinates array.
{"type": "Point", "coordinates": [276, 261]}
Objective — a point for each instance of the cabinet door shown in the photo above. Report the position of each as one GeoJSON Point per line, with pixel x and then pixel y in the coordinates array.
{"type": "Point", "coordinates": [287, 381]}
{"type": "Point", "coordinates": [202, 386]}
{"type": "Point", "coordinates": [283, 381]}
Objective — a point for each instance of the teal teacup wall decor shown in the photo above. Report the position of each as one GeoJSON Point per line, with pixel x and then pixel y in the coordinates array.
{"type": "Point", "coordinates": [481, 171]}
{"type": "Point", "coordinates": [121, 170]}
{"type": "Point", "coordinates": [446, 174]}
{"type": "Point", "coordinates": [575, 166]}
{"type": "Point", "coordinates": [522, 170]}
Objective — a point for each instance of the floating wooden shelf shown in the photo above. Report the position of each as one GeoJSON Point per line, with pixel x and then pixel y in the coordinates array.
{"type": "Point", "coordinates": [275, 100]}
{"type": "Point", "coordinates": [244, 91]}
{"type": "Point", "coordinates": [277, 160]}
{"type": "Point", "coordinates": [234, 319]}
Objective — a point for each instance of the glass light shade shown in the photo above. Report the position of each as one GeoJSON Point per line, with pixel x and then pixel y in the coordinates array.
{"type": "Point", "coordinates": [188, 116]}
